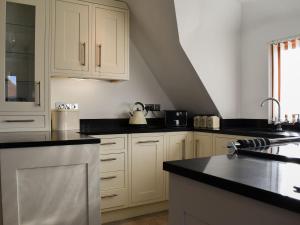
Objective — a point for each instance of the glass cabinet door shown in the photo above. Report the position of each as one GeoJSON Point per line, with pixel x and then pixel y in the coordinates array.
{"type": "Point", "coordinates": [19, 53]}
{"type": "Point", "coordinates": [23, 55]}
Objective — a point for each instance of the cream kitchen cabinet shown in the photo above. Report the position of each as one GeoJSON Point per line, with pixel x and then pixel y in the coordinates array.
{"type": "Point", "coordinates": [113, 173]}
{"type": "Point", "coordinates": [90, 40]}
{"type": "Point", "coordinates": [71, 36]}
{"type": "Point", "coordinates": [24, 92]}
{"type": "Point", "coordinates": [179, 146]}
{"type": "Point", "coordinates": [147, 176]}
{"type": "Point", "coordinates": [56, 183]}
{"type": "Point", "coordinates": [221, 142]}
{"type": "Point", "coordinates": [110, 46]}
{"type": "Point", "coordinates": [209, 144]}
{"type": "Point", "coordinates": [203, 144]}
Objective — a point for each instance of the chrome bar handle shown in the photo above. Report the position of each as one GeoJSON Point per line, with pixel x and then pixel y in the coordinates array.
{"type": "Point", "coordinates": [108, 143]}
{"type": "Point", "coordinates": [37, 93]}
{"type": "Point", "coordinates": [196, 148]}
{"type": "Point", "coordinates": [183, 149]}
{"type": "Point", "coordinates": [109, 196]}
{"type": "Point", "coordinates": [147, 142]}
{"type": "Point", "coordinates": [99, 59]}
{"type": "Point", "coordinates": [19, 121]}
{"type": "Point", "coordinates": [108, 159]}
{"type": "Point", "coordinates": [108, 178]}
{"type": "Point", "coordinates": [82, 53]}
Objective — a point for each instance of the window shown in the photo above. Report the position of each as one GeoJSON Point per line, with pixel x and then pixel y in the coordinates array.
{"type": "Point", "coordinates": [11, 87]}
{"type": "Point", "coordinates": [286, 77]}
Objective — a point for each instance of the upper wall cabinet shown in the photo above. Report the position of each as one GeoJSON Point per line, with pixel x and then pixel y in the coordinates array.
{"type": "Point", "coordinates": [90, 40]}
{"type": "Point", "coordinates": [110, 38]}
{"type": "Point", "coordinates": [71, 49]}
{"type": "Point", "coordinates": [23, 92]}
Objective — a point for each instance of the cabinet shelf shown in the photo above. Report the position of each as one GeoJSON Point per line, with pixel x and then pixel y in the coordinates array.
{"type": "Point", "coordinates": [21, 25]}
{"type": "Point", "coordinates": [20, 53]}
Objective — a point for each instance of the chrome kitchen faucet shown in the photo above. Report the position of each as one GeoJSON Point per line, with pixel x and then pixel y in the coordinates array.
{"type": "Point", "coordinates": [278, 122]}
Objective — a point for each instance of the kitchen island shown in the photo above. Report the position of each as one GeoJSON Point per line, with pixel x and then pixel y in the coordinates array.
{"type": "Point", "coordinates": [235, 190]}
{"type": "Point", "coordinates": [49, 178]}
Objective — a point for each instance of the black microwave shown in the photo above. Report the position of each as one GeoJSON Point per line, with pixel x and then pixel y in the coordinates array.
{"type": "Point", "coordinates": [174, 118]}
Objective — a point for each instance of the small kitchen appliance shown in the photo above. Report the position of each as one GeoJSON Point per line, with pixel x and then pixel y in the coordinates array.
{"type": "Point", "coordinates": [138, 115]}
{"type": "Point", "coordinates": [202, 122]}
{"type": "Point", "coordinates": [213, 122]}
{"type": "Point", "coordinates": [174, 118]}
{"type": "Point", "coordinates": [196, 121]}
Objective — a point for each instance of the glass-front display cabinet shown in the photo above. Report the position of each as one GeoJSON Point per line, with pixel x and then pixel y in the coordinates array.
{"type": "Point", "coordinates": [22, 55]}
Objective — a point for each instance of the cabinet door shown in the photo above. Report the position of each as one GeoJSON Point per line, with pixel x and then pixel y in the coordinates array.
{"type": "Point", "coordinates": [71, 39]}
{"type": "Point", "coordinates": [22, 44]}
{"type": "Point", "coordinates": [110, 41]}
{"type": "Point", "coordinates": [179, 147]}
{"type": "Point", "coordinates": [221, 142]}
{"type": "Point", "coordinates": [47, 183]}
{"type": "Point", "coordinates": [146, 169]}
{"type": "Point", "coordinates": [203, 144]}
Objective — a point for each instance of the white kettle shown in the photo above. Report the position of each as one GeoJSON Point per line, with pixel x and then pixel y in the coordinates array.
{"type": "Point", "coordinates": [138, 115]}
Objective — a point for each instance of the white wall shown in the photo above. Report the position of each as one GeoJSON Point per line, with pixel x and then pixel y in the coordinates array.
{"type": "Point", "coordinates": [102, 99]}
{"type": "Point", "coordinates": [263, 21]}
{"type": "Point", "coordinates": [209, 32]}
{"type": "Point", "coordinates": [153, 29]}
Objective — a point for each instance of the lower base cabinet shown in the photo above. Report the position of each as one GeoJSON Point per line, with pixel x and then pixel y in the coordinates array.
{"type": "Point", "coordinates": [113, 172]}
{"type": "Point", "coordinates": [50, 185]}
{"type": "Point", "coordinates": [147, 176]}
{"type": "Point", "coordinates": [222, 141]}
{"type": "Point", "coordinates": [203, 144]}
{"type": "Point", "coordinates": [209, 144]}
{"type": "Point", "coordinates": [179, 146]}
{"type": "Point", "coordinates": [132, 178]}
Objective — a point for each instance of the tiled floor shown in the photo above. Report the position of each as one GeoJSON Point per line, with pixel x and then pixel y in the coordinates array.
{"type": "Point", "coordinates": [153, 219]}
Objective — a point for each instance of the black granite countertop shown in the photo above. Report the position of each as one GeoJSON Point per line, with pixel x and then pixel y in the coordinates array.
{"type": "Point", "coordinates": [38, 139]}
{"type": "Point", "coordinates": [265, 180]}
{"type": "Point", "coordinates": [251, 128]}
{"type": "Point", "coordinates": [252, 132]}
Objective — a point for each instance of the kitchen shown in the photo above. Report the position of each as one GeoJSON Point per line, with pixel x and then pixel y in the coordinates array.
{"type": "Point", "coordinates": [70, 66]}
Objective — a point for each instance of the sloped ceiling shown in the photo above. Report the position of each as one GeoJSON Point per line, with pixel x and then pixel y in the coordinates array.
{"type": "Point", "coordinates": [210, 34]}
{"type": "Point", "coordinates": [154, 32]}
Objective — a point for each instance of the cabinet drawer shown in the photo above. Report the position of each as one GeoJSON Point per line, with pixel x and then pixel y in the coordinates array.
{"type": "Point", "coordinates": [112, 180]}
{"type": "Point", "coordinates": [112, 162]}
{"type": "Point", "coordinates": [116, 143]}
{"type": "Point", "coordinates": [114, 198]}
{"type": "Point", "coordinates": [16, 122]}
